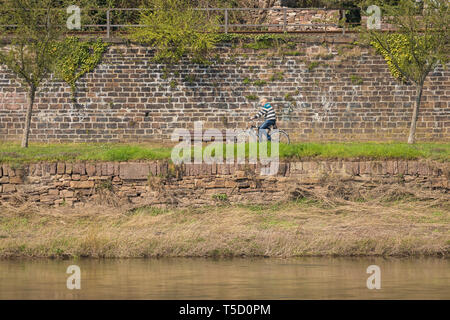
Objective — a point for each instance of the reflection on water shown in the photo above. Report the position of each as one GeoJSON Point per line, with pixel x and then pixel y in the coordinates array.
{"type": "Point", "coordinates": [303, 278]}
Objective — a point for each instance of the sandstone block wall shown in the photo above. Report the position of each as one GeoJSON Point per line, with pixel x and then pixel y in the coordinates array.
{"type": "Point", "coordinates": [158, 183]}
{"type": "Point", "coordinates": [320, 91]}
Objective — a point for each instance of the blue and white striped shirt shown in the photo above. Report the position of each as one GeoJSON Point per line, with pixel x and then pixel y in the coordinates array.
{"type": "Point", "coordinates": [267, 111]}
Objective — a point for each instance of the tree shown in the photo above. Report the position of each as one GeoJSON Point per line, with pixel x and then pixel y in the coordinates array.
{"type": "Point", "coordinates": [176, 29]}
{"type": "Point", "coordinates": [419, 43]}
{"type": "Point", "coordinates": [29, 54]}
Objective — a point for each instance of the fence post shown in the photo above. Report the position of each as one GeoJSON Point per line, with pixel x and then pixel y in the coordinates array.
{"type": "Point", "coordinates": [284, 19]}
{"type": "Point", "coordinates": [108, 24]}
{"type": "Point", "coordinates": [226, 20]}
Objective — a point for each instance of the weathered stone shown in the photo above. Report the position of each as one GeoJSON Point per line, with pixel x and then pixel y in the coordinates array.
{"type": "Point", "coordinates": [153, 168]}
{"type": "Point", "coordinates": [412, 167]}
{"type": "Point", "coordinates": [116, 169]}
{"type": "Point", "coordinates": [90, 169]}
{"type": "Point", "coordinates": [391, 167]}
{"type": "Point", "coordinates": [82, 184]}
{"type": "Point", "coordinates": [8, 171]}
{"type": "Point", "coordinates": [4, 180]}
{"type": "Point", "coordinates": [423, 169]}
{"type": "Point", "coordinates": [53, 192]}
{"type": "Point", "coordinates": [69, 167]}
{"type": "Point", "coordinates": [8, 188]}
{"type": "Point", "coordinates": [52, 168]}
{"type": "Point", "coordinates": [110, 169]}
{"type": "Point", "coordinates": [79, 168]}
{"type": "Point", "coordinates": [67, 193]}
{"type": "Point", "coordinates": [134, 171]}
{"type": "Point", "coordinates": [104, 169]}
{"type": "Point", "coordinates": [15, 180]}
{"type": "Point", "coordinates": [60, 168]}
{"type": "Point", "coordinates": [240, 174]}
{"type": "Point", "coordinates": [48, 198]}
{"type": "Point", "coordinates": [402, 167]}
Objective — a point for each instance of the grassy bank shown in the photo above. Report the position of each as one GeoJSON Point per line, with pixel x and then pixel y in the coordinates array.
{"type": "Point", "coordinates": [406, 227]}
{"type": "Point", "coordinates": [12, 153]}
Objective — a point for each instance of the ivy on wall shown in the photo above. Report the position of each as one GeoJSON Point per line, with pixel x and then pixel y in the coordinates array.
{"type": "Point", "coordinates": [74, 58]}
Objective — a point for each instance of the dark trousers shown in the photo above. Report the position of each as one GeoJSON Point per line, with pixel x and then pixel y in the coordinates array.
{"type": "Point", "coordinates": [264, 129]}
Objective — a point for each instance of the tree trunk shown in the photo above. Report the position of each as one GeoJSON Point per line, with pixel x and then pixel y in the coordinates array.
{"type": "Point", "coordinates": [26, 130]}
{"type": "Point", "coordinates": [412, 129]}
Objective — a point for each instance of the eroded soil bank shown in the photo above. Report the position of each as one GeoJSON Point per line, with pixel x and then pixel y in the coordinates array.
{"type": "Point", "coordinates": [388, 220]}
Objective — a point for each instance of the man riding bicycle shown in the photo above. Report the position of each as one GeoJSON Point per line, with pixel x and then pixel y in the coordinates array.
{"type": "Point", "coordinates": [269, 116]}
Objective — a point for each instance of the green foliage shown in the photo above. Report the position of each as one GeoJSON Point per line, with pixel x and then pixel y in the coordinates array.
{"type": "Point", "coordinates": [265, 41]}
{"type": "Point", "coordinates": [30, 54]}
{"type": "Point", "coordinates": [220, 197]}
{"type": "Point", "coordinates": [276, 76]}
{"type": "Point", "coordinates": [175, 29]}
{"type": "Point", "coordinates": [252, 97]}
{"type": "Point", "coordinates": [313, 65]}
{"type": "Point", "coordinates": [420, 41]}
{"type": "Point", "coordinates": [397, 57]}
{"type": "Point", "coordinates": [293, 53]}
{"type": "Point", "coordinates": [356, 80]}
{"type": "Point", "coordinates": [288, 97]}
{"type": "Point", "coordinates": [12, 153]}
{"type": "Point", "coordinates": [74, 58]}
{"type": "Point", "coordinates": [259, 83]}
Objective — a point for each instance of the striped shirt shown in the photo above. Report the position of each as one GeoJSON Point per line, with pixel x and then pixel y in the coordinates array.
{"type": "Point", "coordinates": [267, 111]}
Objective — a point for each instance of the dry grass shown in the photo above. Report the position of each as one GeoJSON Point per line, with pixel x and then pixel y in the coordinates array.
{"type": "Point", "coordinates": [401, 224]}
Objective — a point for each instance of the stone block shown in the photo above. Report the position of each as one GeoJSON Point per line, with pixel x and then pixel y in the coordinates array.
{"type": "Point", "coordinates": [79, 168]}
{"type": "Point", "coordinates": [67, 193]}
{"type": "Point", "coordinates": [90, 169]}
{"type": "Point", "coordinates": [60, 168]}
{"type": "Point", "coordinates": [82, 184]}
{"type": "Point", "coordinates": [9, 188]}
{"type": "Point", "coordinates": [110, 169]}
{"type": "Point", "coordinates": [53, 192]}
{"type": "Point", "coordinates": [134, 171]}
{"type": "Point", "coordinates": [48, 198]}
{"type": "Point", "coordinates": [15, 180]}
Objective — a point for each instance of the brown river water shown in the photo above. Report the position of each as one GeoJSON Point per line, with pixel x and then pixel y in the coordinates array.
{"type": "Point", "coordinates": [189, 278]}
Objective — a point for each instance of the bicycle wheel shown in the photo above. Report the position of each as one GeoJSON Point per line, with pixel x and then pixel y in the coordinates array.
{"type": "Point", "coordinates": [281, 136]}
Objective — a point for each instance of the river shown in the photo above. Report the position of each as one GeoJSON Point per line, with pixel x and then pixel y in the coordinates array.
{"type": "Point", "coordinates": [189, 278]}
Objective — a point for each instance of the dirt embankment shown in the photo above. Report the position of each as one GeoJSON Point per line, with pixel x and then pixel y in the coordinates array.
{"type": "Point", "coordinates": [338, 220]}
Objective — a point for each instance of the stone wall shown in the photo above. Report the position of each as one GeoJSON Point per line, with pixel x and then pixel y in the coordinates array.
{"type": "Point", "coordinates": [321, 91]}
{"type": "Point", "coordinates": [158, 183]}
{"type": "Point", "coordinates": [304, 20]}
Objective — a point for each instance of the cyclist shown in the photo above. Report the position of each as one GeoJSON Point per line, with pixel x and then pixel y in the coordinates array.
{"type": "Point", "coordinates": [270, 118]}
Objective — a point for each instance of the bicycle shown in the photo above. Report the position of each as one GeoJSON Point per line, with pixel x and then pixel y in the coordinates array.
{"type": "Point", "coordinates": [252, 134]}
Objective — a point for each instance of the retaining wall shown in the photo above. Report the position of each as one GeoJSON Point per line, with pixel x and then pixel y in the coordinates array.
{"type": "Point", "coordinates": [158, 183]}
{"type": "Point", "coordinates": [321, 91]}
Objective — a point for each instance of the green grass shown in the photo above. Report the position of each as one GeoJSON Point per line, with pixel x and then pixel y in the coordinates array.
{"type": "Point", "coordinates": [13, 153]}
{"type": "Point", "coordinates": [367, 150]}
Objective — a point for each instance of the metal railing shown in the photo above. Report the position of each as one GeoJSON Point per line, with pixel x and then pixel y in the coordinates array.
{"type": "Point", "coordinates": [228, 21]}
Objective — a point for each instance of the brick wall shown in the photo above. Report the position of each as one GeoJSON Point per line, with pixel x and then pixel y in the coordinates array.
{"type": "Point", "coordinates": [320, 92]}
